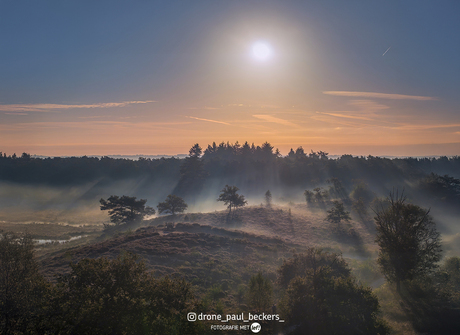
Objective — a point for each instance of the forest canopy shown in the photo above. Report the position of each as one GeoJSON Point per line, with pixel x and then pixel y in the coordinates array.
{"type": "Point", "coordinates": [251, 167]}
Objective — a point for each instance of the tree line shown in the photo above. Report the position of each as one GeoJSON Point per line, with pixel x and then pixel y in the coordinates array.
{"type": "Point", "coordinates": [226, 160]}
{"type": "Point", "coordinates": [253, 167]}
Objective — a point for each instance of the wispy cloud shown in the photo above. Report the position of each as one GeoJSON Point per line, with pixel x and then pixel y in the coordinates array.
{"type": "Point", "coordinates": [426, 126]}
{"type": "Point", "coordinates": [334, 121]}
{"type": "Point", "coordinates": [368, 105]}
{"type": "Point", "coordinates": [255, 105]}
{"type": "Point", "coordinates": [91, 117]}
{"type": "Point", "coordinates": [273, 119]}
{"type": "Point", "coordinates": [378, 95]}
{"type": "Point", "coordinates": [89, 125]}
{"type": "Point", "coordinates": [206, 107]}
{"type": "Point", "coordinates": [348, 116]}
{"type": "Point", "coordinates": [52, 107]}
{"type": "Point", "coordinates": [197, 118]}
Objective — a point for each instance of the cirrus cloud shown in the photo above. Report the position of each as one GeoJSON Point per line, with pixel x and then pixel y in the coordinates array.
{"type": "Point", "coordinates": [273, 119]}
{"type": "Point", "coordinates": [52, 107]}
{"type": "Point", "coordinates": [208, 120]}
{"type": "Point", "coordinates": [378, 95]}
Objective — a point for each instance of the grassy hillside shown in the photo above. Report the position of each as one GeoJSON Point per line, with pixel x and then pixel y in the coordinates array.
{"type": "Point", "coordinates": [218, 255]}
{"type": "Point", "coordinates": [274, 232]}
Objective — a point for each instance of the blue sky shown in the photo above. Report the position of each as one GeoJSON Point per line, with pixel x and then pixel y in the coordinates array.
{"type": "Point", "coordinates": [155, 77]}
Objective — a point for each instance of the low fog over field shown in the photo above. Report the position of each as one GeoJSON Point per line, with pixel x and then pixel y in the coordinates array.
{"type": "Point", "coordinates": [70, 188]}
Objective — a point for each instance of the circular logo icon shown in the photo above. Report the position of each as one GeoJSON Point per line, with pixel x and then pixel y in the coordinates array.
{"type": "Point", "coordinates": [191, 316]}
{"type": "Point", "coordinates": [256, 327]}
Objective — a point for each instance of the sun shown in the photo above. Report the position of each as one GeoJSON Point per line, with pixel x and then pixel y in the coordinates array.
{"type": "Point", "coordinates": [261, 51]}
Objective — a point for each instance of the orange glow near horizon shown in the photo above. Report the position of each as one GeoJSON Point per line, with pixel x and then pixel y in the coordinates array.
{"type": "Point", "coordinates": [368, 127]}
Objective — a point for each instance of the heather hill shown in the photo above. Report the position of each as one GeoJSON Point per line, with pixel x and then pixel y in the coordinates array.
{"type": "Point", "coordinates": [217, 261]}
{"type": "Point", "coordinates": [295, 224]}
{"type": "Point", "coordinates": [219, 254]}
{"type": "Point", "coordinates": [209, 250]}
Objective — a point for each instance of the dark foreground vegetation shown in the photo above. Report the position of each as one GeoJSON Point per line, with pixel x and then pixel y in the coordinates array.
{"type": "Point", "coordinates": [97, 296]}
{"type": "Point", "coordinates": [119, 296]}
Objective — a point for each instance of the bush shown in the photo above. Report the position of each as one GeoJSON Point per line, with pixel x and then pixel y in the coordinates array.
{"type": "Point", "coordinates": [24, 293]}
{"type": "Point", "coordinates": [322, 298]}
{"type": "Point", "coordinates": [100, 296]}
{"type": "Point", "coordinates": [260, 293]}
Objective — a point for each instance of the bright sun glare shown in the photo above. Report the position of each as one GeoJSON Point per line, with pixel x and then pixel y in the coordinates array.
{"type": "Point", "coordinates": [261, 51]}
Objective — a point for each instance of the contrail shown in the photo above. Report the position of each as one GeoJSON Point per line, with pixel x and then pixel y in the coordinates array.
{"type": "Point", "coordinates": [386, 51]}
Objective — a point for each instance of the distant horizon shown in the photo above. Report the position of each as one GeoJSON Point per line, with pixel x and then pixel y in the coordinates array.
{"type": "Point", "coordinates": [283, 154]}
{"type": "Point", "coordinates": [419, 150]}
{"type": "Point", "coordinates": [182, 156]}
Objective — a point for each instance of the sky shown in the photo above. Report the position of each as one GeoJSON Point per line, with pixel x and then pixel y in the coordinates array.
{"type": "Point", "coordinates": [156, 77]}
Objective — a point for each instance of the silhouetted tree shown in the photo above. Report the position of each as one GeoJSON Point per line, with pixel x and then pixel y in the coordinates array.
{"type": "Point", "coordinates": [361, 191]}
{"type": "Point", "coordinates": [300, 153]}
{"type": "Point", "coordinates": [267, 149]}
{"type": "Point", "coordinates": [337, 190]}
{"type": "Point", "coordinates": [173, 204]}
{"type": "Point", "coordinates": [195, 151]}
{"type": "Point", "coordinates": [322, 155]}
{"type": "Point", "coordinates": [337, 213]}
{"type": "Point", "coordinates": [313, 155]}
{"type": "Point", "coordinates": [230, 198]}
{"type": "Point", "coordinates": [320, 194]}
{"type": "Point", "coordinates": [309, 196]}
{"type": "Point", "coordinates": [361, 197]}
{"type": "Point", "coordinates": [192, 173]}
{"type": "Point", "coordinates": [126, 209]}
{"type": "Point", "coordinates": [442, 189]}
{"type": "Point", "coordinates": [409, 243]}
{"type": "Point", "coordinates": [359, 206]}
{"type": "Point", "coordinates": [246, 151]}
{"type": "Point", "coordinates": [268, 198]}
